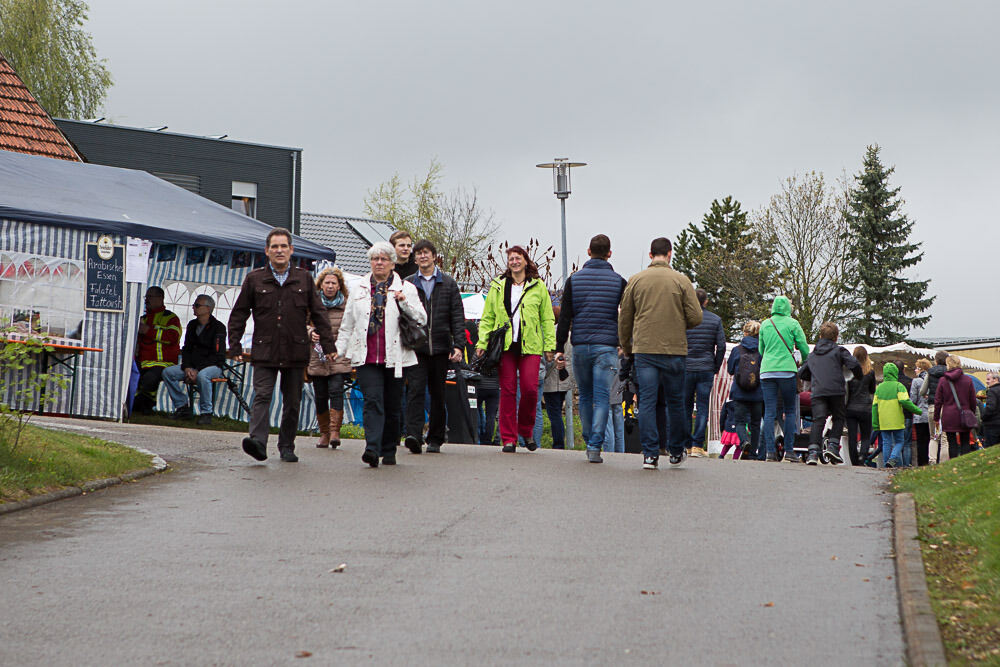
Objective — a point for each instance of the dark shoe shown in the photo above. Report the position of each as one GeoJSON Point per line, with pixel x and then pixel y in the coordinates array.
{"type": "Point", "coordinates": [833, 453]}
{"type": "Point", "coordinates": [288, 456]}
{"type": "Point", "coordinates": [594, 456]}
{"type": "Point", "coordinates": [255, 448]}
{"type": "Point", "coordinates": [530, 444]}
{"type": "Point", "coordinates": [813, 458]}
{"type": "Point", "coordinates": [413, 444]}
{"type": "Point", "coordinates": [771, 456]}
{"type": "Point", "coordinates": [509, 449]}
{"type": "Point", "coordinates": [650, 463]}
{"type": "Point", "coordinates": [677, 459]}
{"type": "Point", "coordinates": [389, 460]}
{"type": "Point", "coordinates": [433, 448]}
{"type": "Point", "coordinates": [205, 420]}
{"type": "Point", "coordinates": [183, 412]}
{"type": "Point", "coordinates": [370, 457]}
{"type": "Point", "coordinates": [791, 458]}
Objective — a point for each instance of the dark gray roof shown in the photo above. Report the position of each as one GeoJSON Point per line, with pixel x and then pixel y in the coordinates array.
{"type": "Point", "coordinates": [958, 342]}
{"type": "Point", "coordinates": [349, 237]}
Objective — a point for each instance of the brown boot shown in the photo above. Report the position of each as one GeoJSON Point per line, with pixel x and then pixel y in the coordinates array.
{"type": "Point", "coordinates": [336, 420]}
{"type": "Point", "coordinates": [324, 429]}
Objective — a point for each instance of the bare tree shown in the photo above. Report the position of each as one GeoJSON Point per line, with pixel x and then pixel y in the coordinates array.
{"type": "Point", "coordinates": [475, 275]}
{"type": "Point", "coordinates": [466, 229]}
{"type": "Point", "coordinates": [803, 229]}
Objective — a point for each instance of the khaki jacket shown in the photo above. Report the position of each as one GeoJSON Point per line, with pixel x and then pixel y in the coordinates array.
{"type": "Point", "coordinates": [658, 307]}
{"type": "Point", "coordinates": [320, 366]}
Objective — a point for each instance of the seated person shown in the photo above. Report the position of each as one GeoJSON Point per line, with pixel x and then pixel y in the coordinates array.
{"type": "Point", "coordinates": [158, 347]}
{"type": "Point", "coordinates": [202, 357]}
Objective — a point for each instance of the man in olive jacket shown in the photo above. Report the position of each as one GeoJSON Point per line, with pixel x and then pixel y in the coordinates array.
{"type": "Point", "coordinates": [282, 299]}
{"type": "Point", "coordinates": [657, 308]}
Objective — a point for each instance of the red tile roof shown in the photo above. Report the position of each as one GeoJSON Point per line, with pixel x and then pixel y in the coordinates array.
{"type": "Point", "coordinates": [25, 127]}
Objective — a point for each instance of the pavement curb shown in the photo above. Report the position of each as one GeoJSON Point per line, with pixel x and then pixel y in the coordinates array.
{"type": "Point", "coordinates": [923, 638]}
{"type": "Point", "coordinates": [71, 491]}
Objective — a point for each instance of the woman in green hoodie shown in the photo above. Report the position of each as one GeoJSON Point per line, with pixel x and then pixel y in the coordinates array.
{"type": "Point", "coordinates": [780, 336]}
{"type": "Point", "coordinates": [519, 298]}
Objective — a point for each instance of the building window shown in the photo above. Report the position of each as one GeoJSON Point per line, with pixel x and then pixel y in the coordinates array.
{"type": "Point", "coordinates": [245, 198]}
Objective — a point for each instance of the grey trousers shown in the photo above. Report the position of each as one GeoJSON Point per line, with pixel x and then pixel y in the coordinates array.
{"type": "Point", "coordinates": [264, 379]}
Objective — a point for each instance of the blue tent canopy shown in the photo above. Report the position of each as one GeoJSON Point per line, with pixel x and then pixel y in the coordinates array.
{"type": "Point", "coordinates": [109, 199]}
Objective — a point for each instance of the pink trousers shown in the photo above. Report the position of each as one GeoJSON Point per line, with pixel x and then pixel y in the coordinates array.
{"type": "Point", "coordinates": [518, 418]}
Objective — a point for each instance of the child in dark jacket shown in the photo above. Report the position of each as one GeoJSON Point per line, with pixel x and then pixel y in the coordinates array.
{"type": "Point", "coordinates": [727, 426]}
{"type": "Point", "coordinates": [825, 370]}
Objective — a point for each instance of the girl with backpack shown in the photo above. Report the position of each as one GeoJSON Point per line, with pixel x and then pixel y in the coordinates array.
{"type": "Point", "coordinates": [745, 393]}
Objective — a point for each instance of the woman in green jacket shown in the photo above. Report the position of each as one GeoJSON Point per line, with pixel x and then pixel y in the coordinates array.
{"type": "Point", "coordinates": [519, 297]}
{"type": "Point", "coordinates": [781, 336]}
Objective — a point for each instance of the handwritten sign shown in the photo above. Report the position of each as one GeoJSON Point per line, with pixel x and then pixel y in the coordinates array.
{"type": "Point", "coordinates": [105, 279]}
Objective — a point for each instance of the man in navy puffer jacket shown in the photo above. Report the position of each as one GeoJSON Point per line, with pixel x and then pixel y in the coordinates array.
{"type": "Point", "coordinates": [706, 351]}
{"type": "Point", "coordinates": [590, 308]}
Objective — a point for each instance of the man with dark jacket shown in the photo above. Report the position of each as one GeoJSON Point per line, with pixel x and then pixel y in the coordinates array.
{"type": "Point", "coordinates": [590, 308]}
{"type": "Point", "coordinates": [202, 357]}
{"type": "Point", "coordinates": [282, 299]}
{"type": "Point", "coordinates": [706, 352]}
{"type": "Point", "coordinates": [991, 411]}
{"type": "Point", "coordinates": [824, 370]}
{"type": "Point", "coordinates": [442, 300]}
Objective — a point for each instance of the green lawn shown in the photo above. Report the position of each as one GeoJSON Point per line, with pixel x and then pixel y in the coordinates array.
{"type": "Point", "coordinates": [46, 460]}
{"type": "Point", "coordinates": [958, 512]}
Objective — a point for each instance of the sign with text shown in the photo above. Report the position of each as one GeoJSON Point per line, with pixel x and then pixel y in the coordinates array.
{"type": "Point", "coordinates": [105, 278]}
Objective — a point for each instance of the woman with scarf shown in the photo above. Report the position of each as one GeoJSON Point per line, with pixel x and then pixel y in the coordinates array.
{"type": "Point", "coordinates": [328, 376]}
{"type": "Point", "coordinates": [369, 337]}
{"type": "Point", "coordinates": [519, 298]}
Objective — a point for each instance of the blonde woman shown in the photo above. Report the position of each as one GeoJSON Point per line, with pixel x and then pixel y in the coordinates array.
{"type": "Point", "coordinates": [328, 376]}
{"type": "Point", "coordinates": [860, 394]}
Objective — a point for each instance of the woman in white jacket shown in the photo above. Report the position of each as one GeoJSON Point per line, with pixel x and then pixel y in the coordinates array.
{"type": "Point", "coordinates": [369, 337]}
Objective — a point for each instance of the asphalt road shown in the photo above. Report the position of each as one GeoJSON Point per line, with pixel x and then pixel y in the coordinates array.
{"type": "Point", "coordinates": [467, 557]}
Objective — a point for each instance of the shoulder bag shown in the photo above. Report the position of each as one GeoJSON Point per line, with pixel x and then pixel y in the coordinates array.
{"type": "Point", "coordinates": [796, 353]}
{"type": "Point", "coordinates": [490, 359]}
{"type": "Point", "coordinates": [969, 420]}
{"type": "Point", "coordinates": [411, 334]}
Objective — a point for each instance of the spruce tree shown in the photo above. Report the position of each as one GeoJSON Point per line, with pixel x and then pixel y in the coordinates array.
{"type": "Point", "coordinates": [882, 304]}
{"type": "Point", "coordinates": [723, 257]}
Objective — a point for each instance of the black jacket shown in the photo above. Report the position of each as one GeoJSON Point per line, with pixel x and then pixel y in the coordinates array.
{"type": "Point", "coordinates": [824, 368]}
{"type": "Point", "coordinates": [445, 314]}
{"type": "Point", "coordinates": [861, 393]}
{"type": "Point", "coordinates": [206, 349]}
{"type": "Point", "coordinates": [934, 375]}
{"type": "Point", "coordinates": [991, 411]}
{"type": "Point", "coordinates": [407, 268]}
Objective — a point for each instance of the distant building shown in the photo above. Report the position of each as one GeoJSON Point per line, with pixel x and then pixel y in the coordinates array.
{"type": "Point", "coordinates": [981, 349]}
{"type": "Point", "coordinates": [260, 181]}
{"type": "Point", "coordinates": [350, 237]}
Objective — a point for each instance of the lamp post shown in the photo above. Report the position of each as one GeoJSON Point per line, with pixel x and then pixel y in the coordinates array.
{"type": "Point", "coordinates": [562, 187]}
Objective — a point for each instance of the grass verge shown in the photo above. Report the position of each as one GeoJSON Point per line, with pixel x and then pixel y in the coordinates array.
{"type": "Point", "coordinates": [46, 460]}
{"type": "Point", "coordinates": [958, 513]}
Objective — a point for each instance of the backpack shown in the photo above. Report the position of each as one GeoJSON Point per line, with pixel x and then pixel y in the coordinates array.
{"type": "Point", "coordinates": [748, 370]}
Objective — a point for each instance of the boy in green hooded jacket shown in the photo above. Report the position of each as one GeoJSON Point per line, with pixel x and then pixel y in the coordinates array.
{"type": "Point", "coordinates": [891, 398]}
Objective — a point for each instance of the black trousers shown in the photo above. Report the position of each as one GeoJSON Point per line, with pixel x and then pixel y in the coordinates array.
{"type": "Point", "coordinates": [427, 375]}
{"type": "Point", "coordinates": [991, 435]}
{"type": "Point", "coordinates": [859, 423]}
{"type": "Point", "coordinates": [959, 442]}
{"type": "Point", "coordinates": [329, 390]}
{"type": "Point", "coordinates": [823, 407]}
{"type": "Point", "coordinates": [145, 393]}
{"type": "Point", "coordinates": [489, 404]}
{"type": "Point", "coordinates": [383, 392]}
{"type": "Point", "coordinates": [923, 431]}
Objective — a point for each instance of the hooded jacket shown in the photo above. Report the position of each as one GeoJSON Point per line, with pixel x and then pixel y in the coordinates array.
{"type": "Point", "coordinates": [991, 411]}
{"type": "Point", "coordinates": [775, 354]}
{"type": "Point", "coordinates": [538, 329]}
{"type": "Point", "coordinates": [945, 410]}
{"type": "Point", "coordinates": [736, 392]}
{"type": "Point", "coordinates": [825, 367]}
{"type": "Point", "coordinates": [891, 398]}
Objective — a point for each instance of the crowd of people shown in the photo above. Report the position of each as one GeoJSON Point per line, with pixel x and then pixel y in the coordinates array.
{"type": "Point", "coordinates": [649, 341]}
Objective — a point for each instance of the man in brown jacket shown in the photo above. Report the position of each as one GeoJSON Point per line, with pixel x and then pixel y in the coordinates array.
{"type": "Point", "coordinates": [282, 299]}
{"type": "Point", "coordinates": [658, 307]}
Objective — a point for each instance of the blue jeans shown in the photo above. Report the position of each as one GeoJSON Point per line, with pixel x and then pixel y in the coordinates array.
{"type": "Point", "coordinates": [667, 371]}
{"type": "Point", "coordinates": [173, 380]}
{"type": "Point", "coordinates": [892, 446]}
{"type": "Point", "coordinates": [786, 388]}
{"type": "Point", "coordinates": [614, 436]}
{"type": "Point", "coordinates": [908, 442]}
{"type": "Point", "coordinates": [592, 368]}
{"type": "Point", "coordinates": [697, 383]}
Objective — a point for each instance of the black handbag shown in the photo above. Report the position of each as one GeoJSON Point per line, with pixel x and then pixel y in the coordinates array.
{"type": "Point", "coordinates": [411, 334]}
{"type": "Point", "coordinates": [490, 359]}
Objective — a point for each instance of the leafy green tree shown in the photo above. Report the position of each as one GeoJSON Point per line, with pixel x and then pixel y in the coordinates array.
{"type": "Point", "coordinates": [722, 256]}
{"type": "Point", "coordinates": [881, 304]}
{"type": "Point", "coordinates": [45, 43]}
{"type": "Point", "coordinates": [456, 222]}
{"type": "Point", "coordinates": [802, 229]}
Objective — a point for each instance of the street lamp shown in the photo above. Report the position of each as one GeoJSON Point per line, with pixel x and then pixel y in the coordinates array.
{"type": "Point", "coordinates": [561, 187]}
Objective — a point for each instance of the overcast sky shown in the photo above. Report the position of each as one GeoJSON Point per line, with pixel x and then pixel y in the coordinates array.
{"type": "Point", "coordinates": [670, 104]}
